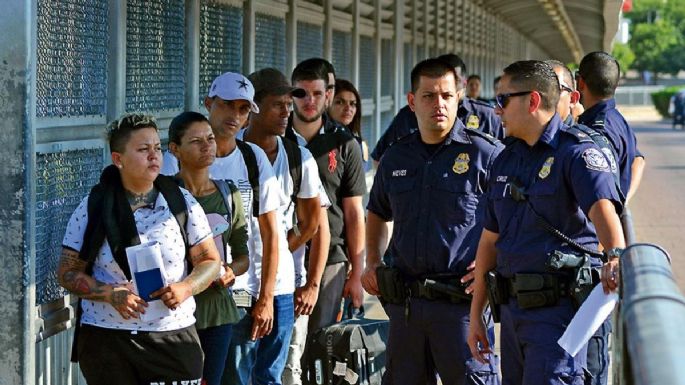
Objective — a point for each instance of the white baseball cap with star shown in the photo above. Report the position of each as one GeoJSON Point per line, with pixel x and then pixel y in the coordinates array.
{"type": "Point", "coordinates": [233, 86]}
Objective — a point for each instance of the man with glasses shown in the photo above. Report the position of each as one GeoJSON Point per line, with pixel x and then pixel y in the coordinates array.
{"type": "Point", "coordinates": [430, 185]}
{"type": "Point", "coordinates": [597, 78]}
{"type": "Point", "coordinates": [597, 349]}
{"type": "Point", "coordinates": [544, 189]}
{"type": "Point", "coordinates": [473, 113]}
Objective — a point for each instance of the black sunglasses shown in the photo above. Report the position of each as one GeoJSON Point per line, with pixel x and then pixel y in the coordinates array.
{"type": "Point", "coordinates": [566, 88]}
{"type": "Point", "coordinates": [503, 99]}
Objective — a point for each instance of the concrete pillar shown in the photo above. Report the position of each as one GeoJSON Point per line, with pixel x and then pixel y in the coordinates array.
{"type": "Point", "coordinates": [192, 55]}
{"type": "Point", "coordinates": [249, 42]}
{"type": "Point", "coordinates": [17, 283]}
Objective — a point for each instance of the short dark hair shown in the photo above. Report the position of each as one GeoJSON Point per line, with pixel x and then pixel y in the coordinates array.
{"type": "Point", "coordinates": [455, 61]}
{"type": "Point", "coordinates": [432, 68]}
{"type": "Point", "coordinates": [568, 75]}
{"type": "Point", "coordinates": [180, 124]}
{"type": "Point", "coordinates": [312, 69]}
{"type": "Point", "coordinates": [344, 85]}
{"type": "Point", "coordinates": [600, 72]}
{"type": "Point", "coordinates": [535, 75]}
{"type": "Point", "coordinates": [473, 77]}
{"type": "Point", "coordinates": [119, 130]}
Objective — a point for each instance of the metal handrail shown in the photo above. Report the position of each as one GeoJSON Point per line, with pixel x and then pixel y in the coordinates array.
{"type": "Point", "coordinates": [647, 349]}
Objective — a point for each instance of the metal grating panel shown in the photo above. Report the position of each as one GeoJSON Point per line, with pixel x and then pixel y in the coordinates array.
{"type": "Point", "coordinates": [155, 55]}
{"type": "Point", "coordinates": [309, 41]}
{"type": "Point", "coordinates": [71, 64]}
{"type": "Point", "coordinates": [270, 42]}
{"type": "Point", "coordinates": [386, 119]}
{"type": "Point", "coordinates": [367, 66]}
{"type": "Point", "coordinates": [387, 68]}
{"type": "Point", "coordinates": [62, 180]}
{"type": "Point", "coordinates": [408, 66]}
{"type": "Point", "coordinates": [342, 54]}
{"type": "Point", "coordinates": [368, 129]}
{"type": "Point", "coordinates": [220, 50]}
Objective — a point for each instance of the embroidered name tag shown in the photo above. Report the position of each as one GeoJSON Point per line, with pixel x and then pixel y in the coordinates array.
{"type": "Point", "coordinates": [399, 173]}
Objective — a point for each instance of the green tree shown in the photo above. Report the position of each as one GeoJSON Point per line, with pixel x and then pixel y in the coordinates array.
{"type": "Point", "coordinates": [658, 35]}
{"type": "Point", "coordinates": [624, 55]}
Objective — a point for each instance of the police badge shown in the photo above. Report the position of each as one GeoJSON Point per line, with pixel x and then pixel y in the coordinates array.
{"type": "Point", "coordinates": [473, 122]}
{"type": "Point", "coordinates": [595, 160]}
{"type": "Point", "coordinates": [461, 164]}
{"type": "Point", "coordinates": [546, 168]}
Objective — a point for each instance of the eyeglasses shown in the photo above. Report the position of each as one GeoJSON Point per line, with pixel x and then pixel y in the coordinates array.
{"type": "Point", "coordinates": [566, 88]}
{"type": "Point", "coordinates": [503, 99]}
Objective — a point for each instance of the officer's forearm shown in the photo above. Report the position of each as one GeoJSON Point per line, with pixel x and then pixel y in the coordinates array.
{"type": "Point", "coordinates": [307, 211]}
{"type": "Point", "coordinates": [353, 215]}
{"type": "Point", "coordinates": [636, 170]}
{"type": "Point", "coordinates": [607, 224]}
{"type": "Point", "coordinates": [486, 260]}
{"type": "Point", "coordinates": [376, 239]}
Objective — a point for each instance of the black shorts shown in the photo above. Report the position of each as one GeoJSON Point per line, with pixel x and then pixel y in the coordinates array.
{"type": "Point", "coordinates": [115, 357]}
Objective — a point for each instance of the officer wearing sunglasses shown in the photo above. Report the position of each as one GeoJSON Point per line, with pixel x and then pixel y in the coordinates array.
{"type": "Point", "coordinates": [560, 178]}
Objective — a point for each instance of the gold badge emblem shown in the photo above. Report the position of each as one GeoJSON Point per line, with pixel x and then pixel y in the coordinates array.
{"type": "Point", "coordinates": [461, 164]}
{"type": "Point", "coordinates": [473, 122]}
{"type": "Point", "coordinates": [546, 168]}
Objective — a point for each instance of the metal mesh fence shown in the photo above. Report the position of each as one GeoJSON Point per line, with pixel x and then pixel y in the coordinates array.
{"type": "Point", "coordinates": [270, 42]}
{"type": "Point", "coordinates": [367, 129]}
{"type": "Point", "coordinates": [309, 41]}
{"type": "Point", "coordinates": [367, 67]}
{"type": "Point", "coordinates": [71, 63]}
{"type": "Point", "coordinates": [155, 55]}
{"type": "Point", "coordinates": [220, 50]}
{"type": "Point", "coordinates": [62, 180]}
{"type": "Point", "coordinates": [342, 54]}
{"type": "Point", "coordinates": [408, 65]}
{"type": "Point", "coordinates": [387, 68]}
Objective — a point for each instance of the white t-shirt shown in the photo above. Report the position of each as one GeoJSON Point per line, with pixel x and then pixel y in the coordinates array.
{"type": "Point", "coordinates": [271, 198]}
{"type": "Point", "coordinates": [310, 187]}
{"type": "Point", "coordinates": [153, 224]}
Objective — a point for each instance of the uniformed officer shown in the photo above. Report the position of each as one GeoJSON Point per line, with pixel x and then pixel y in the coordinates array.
{"type": "Point", "coordinates": [569, 98]}
{"type": "Point", "coordinates": [597, 78]}
{"type": "Point", "coordinates": [430, 184]}
{"type": "Point", "coordinates": [545, 188]}
{"type": "Point", "coordinates": [475, 114]}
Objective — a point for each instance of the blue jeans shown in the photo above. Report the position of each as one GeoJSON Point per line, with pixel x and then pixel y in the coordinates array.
{"type": "Point", "coordinates": [598, 356]}
{"type": "Point", "coordinates": [262, 360]}
{"type": "Point", "coordinates": [214, 342]}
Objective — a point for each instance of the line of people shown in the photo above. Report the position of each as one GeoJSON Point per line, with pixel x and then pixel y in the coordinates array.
{"type": "Point", "coordinates": [257, 210]}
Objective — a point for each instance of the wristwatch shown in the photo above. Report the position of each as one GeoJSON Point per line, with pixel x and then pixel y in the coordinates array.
{"type": "Point", "coordinates": [614, 252]}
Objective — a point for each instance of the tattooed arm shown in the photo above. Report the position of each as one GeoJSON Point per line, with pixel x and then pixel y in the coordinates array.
{"type": "Point", "coordinates": [205, 259]}
{"type": "Point", "coordinates": [71, 275]}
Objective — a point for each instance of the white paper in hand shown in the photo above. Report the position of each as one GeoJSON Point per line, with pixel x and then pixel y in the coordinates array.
{"type": "Point", "coordinates": [587, 320]}
{"type": "Point", "coordinates": [147, 270]}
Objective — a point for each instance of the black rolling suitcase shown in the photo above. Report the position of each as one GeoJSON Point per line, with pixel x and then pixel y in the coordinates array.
{"type": "Point", "coordinates": [350, 352]}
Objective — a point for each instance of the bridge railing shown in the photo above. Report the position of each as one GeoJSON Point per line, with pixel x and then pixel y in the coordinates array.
{"type": "Point", "coordinates": [648, 345]}
{"type": "Point", "coordinates": [635, 95]}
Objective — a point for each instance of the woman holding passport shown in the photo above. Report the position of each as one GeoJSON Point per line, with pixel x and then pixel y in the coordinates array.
{"type": "Point", "coordinates": [116, 341]}
{"type": "Point", "coordinates": [191, 140]}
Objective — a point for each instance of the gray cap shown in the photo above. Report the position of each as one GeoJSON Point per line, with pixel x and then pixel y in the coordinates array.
{"type": "Point", "coordinates": [270, 81]}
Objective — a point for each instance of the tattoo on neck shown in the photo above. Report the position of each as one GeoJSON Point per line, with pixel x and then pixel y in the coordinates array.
{"type": "Point", "coordinates": [143, 199]}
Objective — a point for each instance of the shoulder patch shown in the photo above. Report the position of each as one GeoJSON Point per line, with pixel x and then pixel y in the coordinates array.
{"type": "Point", "coordinates": [479, 133]}
{"type": "Point", "coordinates": [595, 160]}
{"type": "Point", "coordinates": [581, 136]}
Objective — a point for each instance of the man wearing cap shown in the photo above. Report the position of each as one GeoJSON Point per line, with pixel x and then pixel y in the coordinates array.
{"type": "Point", "coordinates": [302, 212]}
{"type": "Point", "coordinates": [475, 114]}
{"type": "Point", "coordinates": [229, 102]}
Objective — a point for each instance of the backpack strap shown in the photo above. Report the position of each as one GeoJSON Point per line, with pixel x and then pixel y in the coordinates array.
{"type": "Point", "coordinates": [294, 165]}
{"type": "Point", "coordinates": [252, 173]}
{"type": "Point", "coordinates": [168, 187]}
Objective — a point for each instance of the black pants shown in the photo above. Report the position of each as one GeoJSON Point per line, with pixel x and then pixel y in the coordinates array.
{"type": "Point", "coordinates": [115, 357]}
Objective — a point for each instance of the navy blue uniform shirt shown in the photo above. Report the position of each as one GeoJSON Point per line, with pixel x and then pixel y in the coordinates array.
{"type": "Point", "coordinates": [433, 196]}
{"type": "Point", "coordinates": [604, 118]}
{"type": "Point", "coordinates": [564, 174]}
{"type": "Point", "coordinates": [473, 113]}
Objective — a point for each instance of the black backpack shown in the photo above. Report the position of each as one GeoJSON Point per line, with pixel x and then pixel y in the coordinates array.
{"type": "Point", "coordinates": [294, 163]}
